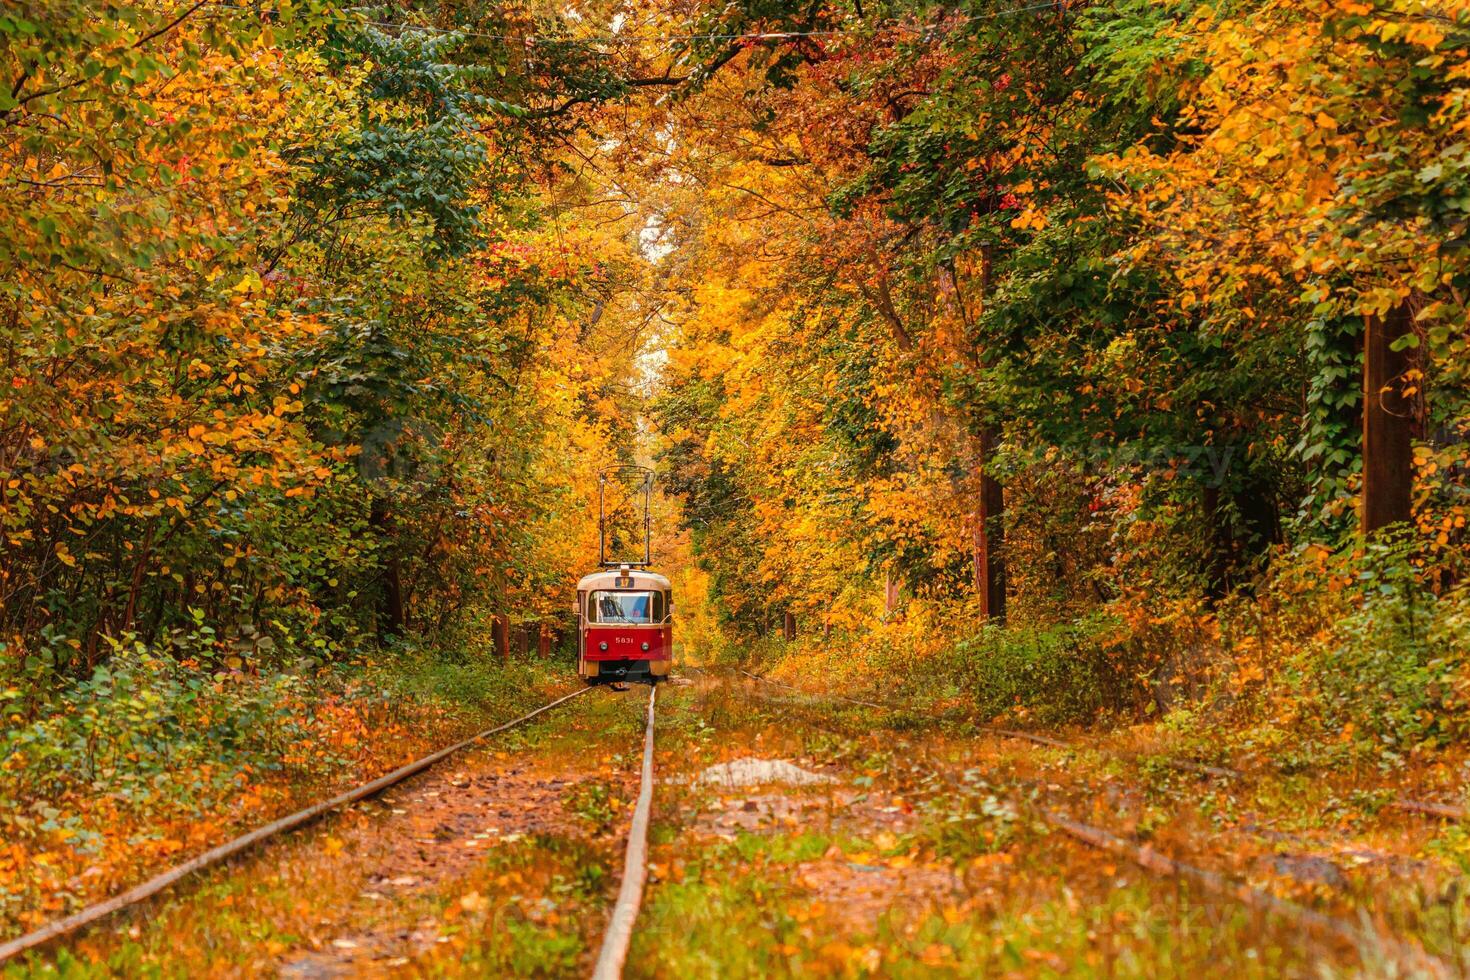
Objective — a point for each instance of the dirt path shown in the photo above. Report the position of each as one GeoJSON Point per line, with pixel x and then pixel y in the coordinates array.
{"type": "Point", "coordinates": [436, 834]}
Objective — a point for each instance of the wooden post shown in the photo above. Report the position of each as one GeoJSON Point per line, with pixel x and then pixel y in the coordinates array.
{"type": "Point", "coordinates": [1388, 422]}
{"type": "Point", "coordinates": [788, 627]}
{"type": "Point", "coordinates": [989, 536]}
{"type": "Point", "coordinates": [543, 643]}
{"type": "Point", "coordinates": [500, 630]}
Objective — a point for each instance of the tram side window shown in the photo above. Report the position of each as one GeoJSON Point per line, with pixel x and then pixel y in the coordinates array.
{"type": "Point", "coordinates": [636, 608]}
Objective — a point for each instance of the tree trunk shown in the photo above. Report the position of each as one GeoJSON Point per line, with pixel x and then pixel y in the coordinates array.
{"type": "Point", "coordinates": [1388, 422]}
{"type": "Point", "coordinates": [543, 643]}
{"type": "Point", "coordinates": [135, 589]}
{"type": "Point", "coordinates": [392, 619]}
{"type": "Point", "coordinates": [1221, 545]}
{"type": "Point", "coordinates": [989, 536]}
{"type": "Point", "coordinates": [396, 616]}
{"type": "Point", "coordinates": [890, 594]}
{"type": "Point", "coordinates": [788, 627]}
{"type": "Point", "coordinates": [500, 630]}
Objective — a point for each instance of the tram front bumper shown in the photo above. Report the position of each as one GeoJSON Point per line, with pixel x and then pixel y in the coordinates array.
{"type": "Point", "coordinates": [604, 671]}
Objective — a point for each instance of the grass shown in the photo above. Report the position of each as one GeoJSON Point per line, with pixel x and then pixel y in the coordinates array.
{"type": "Point", "coordinates": [1335, 696]}
{"type": "Point", "coordinates": [598, 803]}
{"type": "Point", "coordinates": [540, 912]}
{"type": "Point", "coordinates": [1128, 930]}
{"type": "Point", "coordinates": [717, 921]}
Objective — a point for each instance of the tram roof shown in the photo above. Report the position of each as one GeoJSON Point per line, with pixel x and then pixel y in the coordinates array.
{"type": "Point", "coordinates": [608, 579]}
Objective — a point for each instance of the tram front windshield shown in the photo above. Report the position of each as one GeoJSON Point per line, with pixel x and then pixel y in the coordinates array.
{"type": "Point", "coordinates": [636, 608]}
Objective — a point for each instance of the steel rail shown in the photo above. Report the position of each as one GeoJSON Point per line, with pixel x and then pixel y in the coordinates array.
{"type": "Point", "coordinates": [615, 941]}
{"type": "Point", "coordinates": [215, 855]}
{"type": "Point", "coordinates": [1407, 954]}
{"type": "Point", "coordinates": [818, 695]}
{"type": "Point", "coordinates": [1445, 811]}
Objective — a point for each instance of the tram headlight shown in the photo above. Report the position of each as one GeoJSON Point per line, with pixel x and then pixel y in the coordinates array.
{"type": "Point", "coordinates": [602, 646]}
{"type": "Point", "coordinates": [645, 646]}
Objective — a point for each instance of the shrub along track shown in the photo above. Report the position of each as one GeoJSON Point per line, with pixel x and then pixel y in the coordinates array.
{"type": "Point", "coordinates": [1405, 953]}
{"type": "Point", "coordinates": [223, 852]}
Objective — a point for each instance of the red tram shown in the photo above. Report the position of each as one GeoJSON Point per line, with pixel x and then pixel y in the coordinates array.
{"type": "Point", "coordinates": [625, 613]}
{"type": "Point", "coordinates": [625, 626]}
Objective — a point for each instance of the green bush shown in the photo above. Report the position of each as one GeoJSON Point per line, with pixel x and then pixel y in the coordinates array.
{"type": "Point", "coordinates": [1054, 675]}
{"type": "Point", "coordinates": [142, 722]}
{"type": "Point", "coordinates": [150, 728]}
{"type": "Point", "coordinates": [459, 679]}
{"type": "Point", "coordinates": [1395, 666]}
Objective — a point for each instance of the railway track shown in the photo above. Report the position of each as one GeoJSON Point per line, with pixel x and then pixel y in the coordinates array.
{"type": "Point", "coordinates": [215, 855]}
{"type": "Point", "coordinates": [1407, 954]}
{"type": "Point", "coordinates": [617, 937]}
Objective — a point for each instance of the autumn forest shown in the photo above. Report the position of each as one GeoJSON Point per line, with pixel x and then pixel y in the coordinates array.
{"type": "Point", "coordinates": [1059, 415]}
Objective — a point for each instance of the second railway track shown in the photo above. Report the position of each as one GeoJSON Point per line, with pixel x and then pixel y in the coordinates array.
{"type": "Point", "coordinates": [1407, 954]}
{"type": "Point", "coordinates": [1445, 811]}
